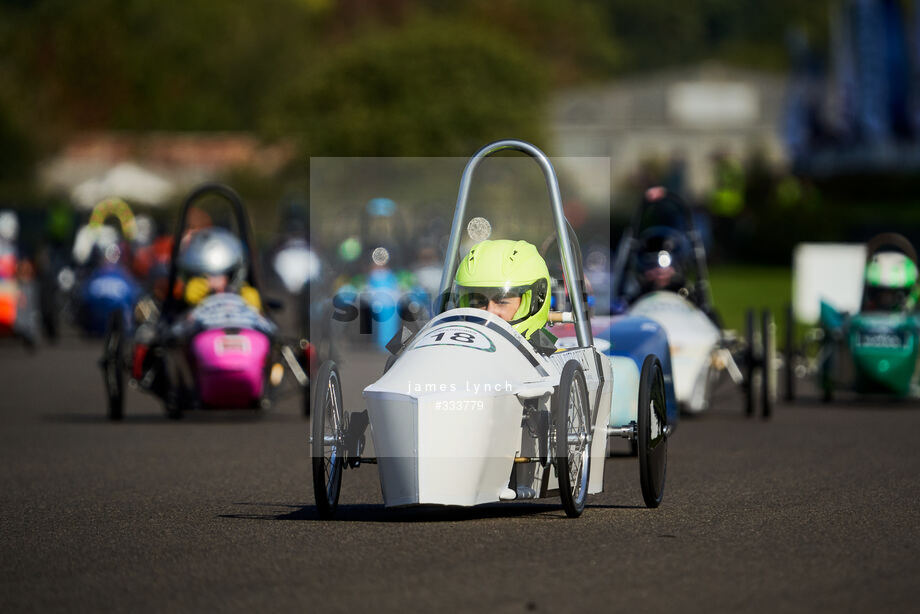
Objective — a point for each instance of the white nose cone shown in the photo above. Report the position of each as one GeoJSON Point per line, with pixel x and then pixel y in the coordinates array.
{"type": "Point", "coordinates": [445, 419]}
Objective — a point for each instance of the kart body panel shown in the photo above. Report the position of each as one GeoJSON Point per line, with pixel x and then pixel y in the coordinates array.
{"type": "Point", "coordinates": [229, 366]}
{"type": "Point", "coordinates": [626, 340]}
{"type": "Point", "coordinates": [631, 339]}
{"type": "Point", "coordinates": [105, 290]}
{"type": "Point", "coordinates": [9, 305]}
{"type": "Point", "coordinates": [448, 420]}
{"type": "Point", "coordinates": [228, 348]}
{"type": "Point", "coordinates": [693, 338]}
{"type": "Point", "coordinates": [882, 348]}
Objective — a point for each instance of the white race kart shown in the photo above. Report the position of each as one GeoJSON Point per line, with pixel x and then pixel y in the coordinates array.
{"type": "Point", "coordinates": [662, 230]}
{"type": "Point", "coordinates": [467, 412]}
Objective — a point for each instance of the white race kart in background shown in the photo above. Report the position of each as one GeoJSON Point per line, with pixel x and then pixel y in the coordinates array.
{"type": "Point", "coordinates": [700, 350]}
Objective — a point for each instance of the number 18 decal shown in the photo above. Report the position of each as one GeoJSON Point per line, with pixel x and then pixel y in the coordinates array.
{"type": "Point", "coordinates": [457, 334]}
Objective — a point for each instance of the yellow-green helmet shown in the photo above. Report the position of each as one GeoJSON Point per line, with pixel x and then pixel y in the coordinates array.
{"type": "Point", "coordinates": [495, 269]}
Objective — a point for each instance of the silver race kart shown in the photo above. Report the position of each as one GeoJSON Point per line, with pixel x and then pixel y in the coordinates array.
{"type": "Point", "coordinates": [467, 412]}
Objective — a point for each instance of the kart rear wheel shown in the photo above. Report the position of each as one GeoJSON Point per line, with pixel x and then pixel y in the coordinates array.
{"type": "Point", "coordinates": [829, 352]}
{"type": "Point", "coordinates": [307, 391]}
{"type": "Point", "coordinates": [112, 368]}
{"type": "Point", "coordinates": [652, 431]}
{"type": "Point", "coordinates": [306, 351]}
{"type": "Point", "coordinates": [790, 353]}
{"type": "Point", "coordinates": [749, 363]}
{"type": "Point", "coordinates": [570, 434]}
{"type": "Point", "coordinates": [328, 444]}
{"type": "Point", "coordinates": [768, 375]}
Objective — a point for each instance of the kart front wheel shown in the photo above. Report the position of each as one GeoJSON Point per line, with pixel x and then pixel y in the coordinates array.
{"type": "Point", "coordinates": [173, 400]}
{"type": "Point", "coordinates": [48, 306]}
{"type": "Point", "coordinates": [652, 431]}
{"type": "Point", "coordinates": [304, 360]}
{"type": "Point", "coordinates": [328, 442]}
{"type": "Point", "coordinates": [570, 434]}
{"type": "Point", "coordinates": [112, 368]}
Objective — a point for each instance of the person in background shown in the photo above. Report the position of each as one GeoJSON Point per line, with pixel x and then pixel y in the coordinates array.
{"type": "Point", "coordinates": [212, 261]}
{"type": "Point", "coordinates": [891, 283]}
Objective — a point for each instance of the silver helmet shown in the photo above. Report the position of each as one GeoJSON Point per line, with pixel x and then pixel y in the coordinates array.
{"type": "Point", "coordinates": [212, 251]}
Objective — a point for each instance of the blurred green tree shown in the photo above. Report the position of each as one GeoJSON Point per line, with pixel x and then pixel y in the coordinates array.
{"type": "Point", "coordinates": [430, 87]}
{"type": "Point", "coordinates": [350, 76]}
{"type": "Point", "coordinates": [17, 155]}
{"type": "Point", "coordinates": [137, 65]}
{"type": "Point", "coordinates": [751, 33]}
{"type": "Point", "coordinates": [571, 39]}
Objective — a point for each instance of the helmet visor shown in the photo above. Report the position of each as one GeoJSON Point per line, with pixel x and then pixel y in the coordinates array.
{"type": "Point", "coordinates": [885, 299]}
{"type": "Point", "coordinates": [478, 297]}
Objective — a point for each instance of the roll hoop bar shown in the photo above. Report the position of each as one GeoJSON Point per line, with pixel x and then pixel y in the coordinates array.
{"type": "Point", "coordinates": [572, 282]}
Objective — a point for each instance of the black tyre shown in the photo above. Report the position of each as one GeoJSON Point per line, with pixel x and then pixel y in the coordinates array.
{"type": "Point", "coordinates": [790, 354]}
{"type": "Point", "coordinates": [827, 355]}
{"type": "Point", "coordinates": [172, 395]}
{"type": "Point", "coordinates": [304, 361]}
{"type": "Point", "coordinates": [570, 438]}
{"type": "Point", "coordinates": [112, 365]}
{"type": "Point", "coordinates": [827, 392]}
{"type": "Point", "coordinates": [328, 444]}
{"type": "Point", "coordinates": [750, 363]}
{"type": "Point", "coordinates": [652, 431]}
{"type": "Point", "coordinates": [768, 362]}
{"type": "Point", "coordinates": [48, 305]}
{"type": "Point", "coordinates": [174, 407]}
{"type": "Point", "coordinates": [307, 391]}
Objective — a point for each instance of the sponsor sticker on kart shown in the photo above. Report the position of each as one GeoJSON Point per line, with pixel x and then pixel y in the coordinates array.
{"type": "Point", "coordinates": [880, 339]}
{"type": "Point", "coordinates": [560, 358]}
{"type": "Point", "coordinates": [236, 344]}
{"type": "Point", "coordinates": [109, 287]}
{"type": "Point", "coordinates": [456, 334]}
{"type": "Point", "coordinates": [228, 310]}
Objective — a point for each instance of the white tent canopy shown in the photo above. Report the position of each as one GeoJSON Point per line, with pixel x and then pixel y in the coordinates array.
{"type": "Point", "coordinates": [127, 181]}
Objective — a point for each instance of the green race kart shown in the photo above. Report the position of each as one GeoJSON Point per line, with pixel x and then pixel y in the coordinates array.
{"type": "Point", "coordinates": [875, 350]}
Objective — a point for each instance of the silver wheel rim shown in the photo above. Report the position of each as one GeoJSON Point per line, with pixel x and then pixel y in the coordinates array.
{"type": "Point", "coordinates": [332, 434]}
{"type": "Point", "coordinates": [577, 444]}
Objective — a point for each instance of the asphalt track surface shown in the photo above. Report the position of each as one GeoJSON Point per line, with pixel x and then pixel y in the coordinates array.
{"type": "Point", "coordinates": [815, 510]}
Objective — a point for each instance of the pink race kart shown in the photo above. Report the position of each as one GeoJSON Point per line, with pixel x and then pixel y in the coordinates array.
{"type": "Point", "coordinates": [221, 354]}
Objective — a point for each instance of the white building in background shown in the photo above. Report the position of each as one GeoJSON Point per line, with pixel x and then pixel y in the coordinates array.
{"type": "Point", "coordinates": [690, 113]}
{"type": "Point", "coordinates": [154, 168]}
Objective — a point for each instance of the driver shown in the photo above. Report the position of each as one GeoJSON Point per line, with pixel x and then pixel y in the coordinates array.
{"type": "Point", "coordinates": [891, 283]}
{"type": "Point", "coordinates": [659, 266]}
{"type": "Point", "coordinates": [213, 261]}
{"type": "Point", "coordinates": [509, 279]}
